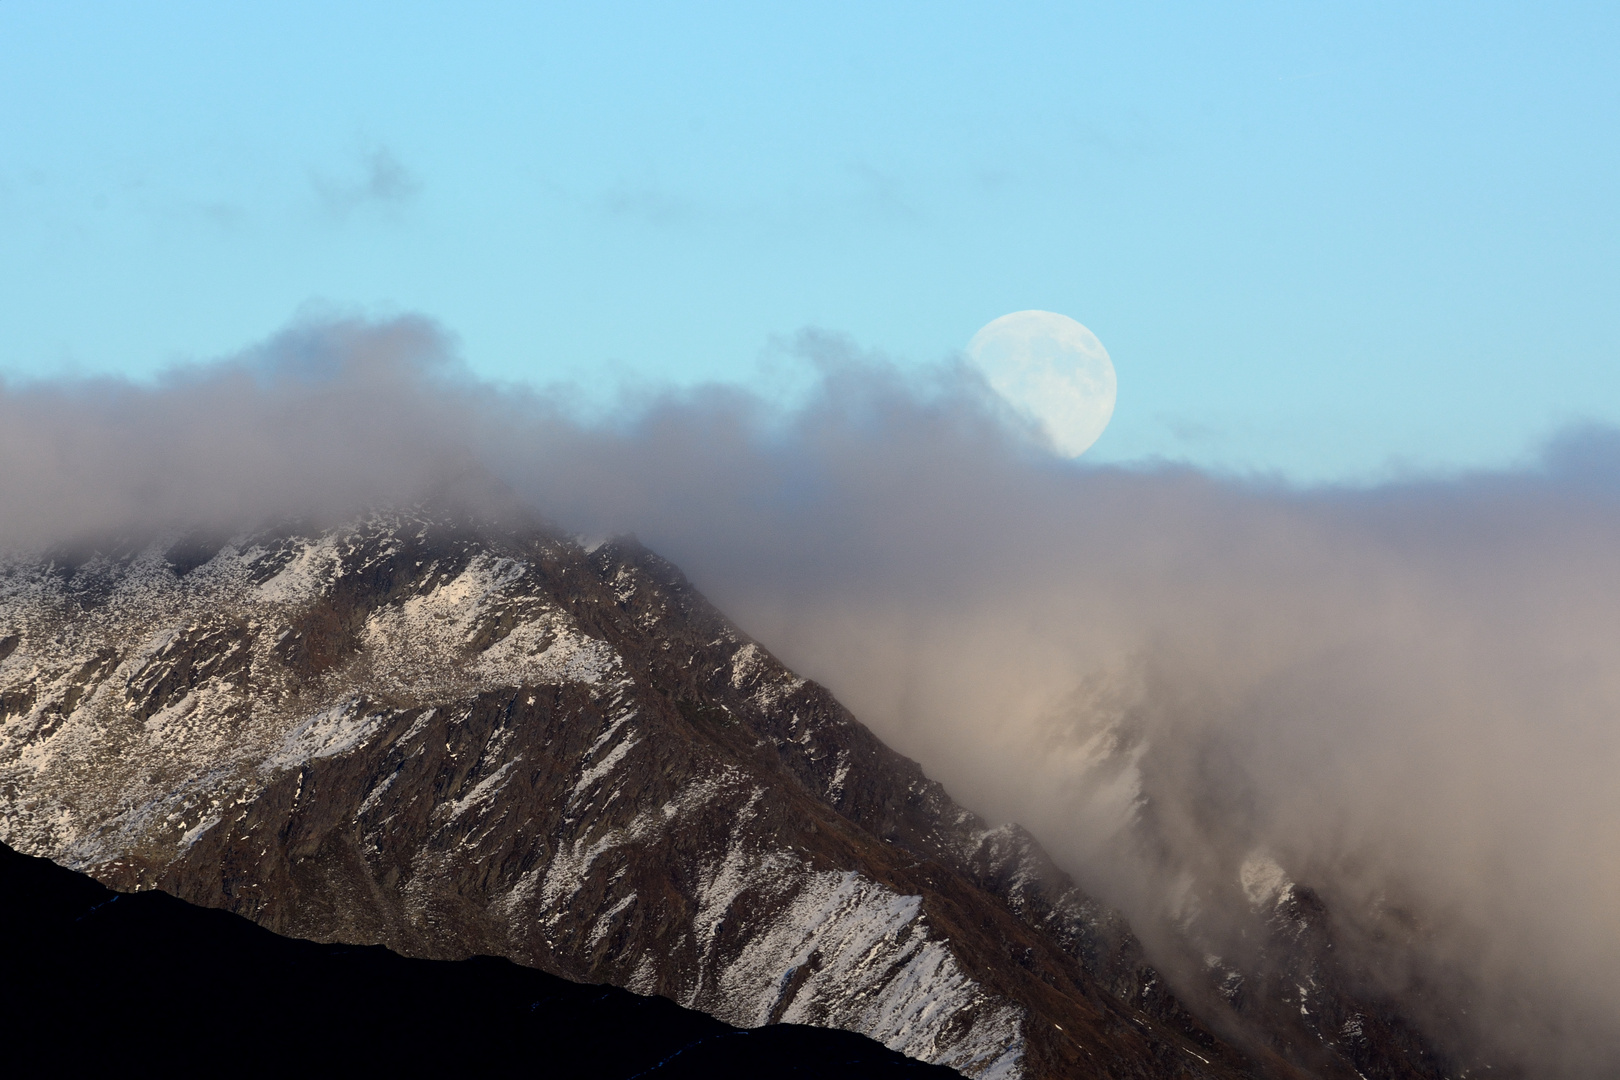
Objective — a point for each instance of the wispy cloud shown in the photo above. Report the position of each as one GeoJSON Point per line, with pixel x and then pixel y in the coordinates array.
{"type": "Point", "coordinates": [379, 180]}
{"type": "Point", "coordinates": [647, 203]}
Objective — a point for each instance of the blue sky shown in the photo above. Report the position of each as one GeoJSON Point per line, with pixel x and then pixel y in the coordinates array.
{"type": "Point", "coordinates": [1327, 241]}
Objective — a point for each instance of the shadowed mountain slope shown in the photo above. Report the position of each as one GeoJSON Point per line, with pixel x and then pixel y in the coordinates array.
{"type": "Point", "coordinates": [146, 982]}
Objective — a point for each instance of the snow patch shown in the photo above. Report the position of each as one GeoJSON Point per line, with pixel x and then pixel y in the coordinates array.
{"type": "Point", "coordinates": [1262, 879]}
{"type": "Point", "coordinates": [308, 574]}
{"type": "Point", "coordinates": [873, 967]}
{"type": "Point", "coordinates": [328, 733]}
{"type": "Point", "coordinates": [590, 776]}
{"type": "Point", "coordinates": [485, 790]}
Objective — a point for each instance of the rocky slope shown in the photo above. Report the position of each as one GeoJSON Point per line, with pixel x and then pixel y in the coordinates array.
{"type": "Point", "coordinates": [455, 740]}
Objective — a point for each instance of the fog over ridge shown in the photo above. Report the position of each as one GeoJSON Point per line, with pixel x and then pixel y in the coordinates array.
{"type": "Point", "coordinates": [1407, 695]}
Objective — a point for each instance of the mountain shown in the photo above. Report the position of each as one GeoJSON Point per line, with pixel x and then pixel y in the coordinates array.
{"type": "Point", "coordinates": [104, 980]}
{"type": "Point", "coordinates": [458, 738]}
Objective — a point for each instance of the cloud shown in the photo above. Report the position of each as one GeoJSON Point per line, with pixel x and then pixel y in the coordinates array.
{"type": "Point", "coordinates": [647, 203]}
{"type": "Point", "coordinates": [1191, 432]}
{"type": "Point", "coordinates": [382, 181]}
{"type": "Point", "coordinates": [1407, 695]}
{"type": "Point", "coordinates": [315, 422]}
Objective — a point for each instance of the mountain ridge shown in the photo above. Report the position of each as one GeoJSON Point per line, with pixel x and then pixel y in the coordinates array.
{"type": "Point", "coordinates": [452, 738]}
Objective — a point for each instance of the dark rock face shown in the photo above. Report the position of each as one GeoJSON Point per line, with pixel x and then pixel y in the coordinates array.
{"type": "Point", "coordinates": [1299, 993]}
{"type": "Point", "coordinates": [454, 741]}
{"type": "Point", "coordinates": [98, 980]}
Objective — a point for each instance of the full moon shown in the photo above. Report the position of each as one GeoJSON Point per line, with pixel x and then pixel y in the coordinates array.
{"type": "Point", "coordinates": [1054, 370]}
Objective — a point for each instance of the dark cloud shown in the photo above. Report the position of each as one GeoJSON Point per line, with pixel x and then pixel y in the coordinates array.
{"type": "Point", "coordinates": [1407, 695]}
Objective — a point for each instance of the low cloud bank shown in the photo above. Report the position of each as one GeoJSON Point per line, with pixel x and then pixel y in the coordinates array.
{"type": "Point", "coordinates": [1407, 696]}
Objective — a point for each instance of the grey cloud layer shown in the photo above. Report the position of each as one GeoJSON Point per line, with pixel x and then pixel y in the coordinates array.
{"type": "Point", "coordinates": [1406, 693]}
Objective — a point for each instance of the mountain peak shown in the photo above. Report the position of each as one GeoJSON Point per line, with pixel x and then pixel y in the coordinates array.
{"type": "Point", "coordinates": [454, 737]}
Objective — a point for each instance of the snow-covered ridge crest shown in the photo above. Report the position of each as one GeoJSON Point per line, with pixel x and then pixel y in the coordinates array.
{"type": "Point", "coordinates": [430, 643]}
{"type": "Point", "coordinates": [110, 712]}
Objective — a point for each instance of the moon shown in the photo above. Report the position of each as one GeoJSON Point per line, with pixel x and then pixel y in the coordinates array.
{"type": "Point", "coordinates": [1052, 369]}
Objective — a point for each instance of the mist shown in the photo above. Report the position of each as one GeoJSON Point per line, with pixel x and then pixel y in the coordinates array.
{"type": "Point", "coordinates": [1406, 695]}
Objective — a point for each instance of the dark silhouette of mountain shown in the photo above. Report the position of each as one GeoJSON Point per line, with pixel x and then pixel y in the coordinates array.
{"type": "Point", "coordinates": [146, 983]}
